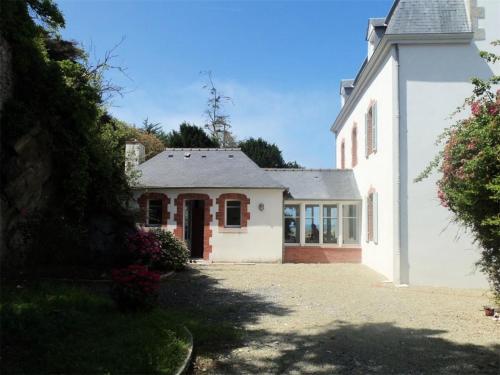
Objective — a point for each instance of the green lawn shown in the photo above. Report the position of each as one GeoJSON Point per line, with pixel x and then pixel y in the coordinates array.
{"type": "Point", "coordinates": [52, 328]}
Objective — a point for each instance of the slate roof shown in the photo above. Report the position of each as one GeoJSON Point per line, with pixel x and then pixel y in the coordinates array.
{"type": "Point", "coordinates": [203, 168]}
{"type": "Point", "coordinates": [427, 16]}
{"type": "Point", "coordinates": [311, 184]}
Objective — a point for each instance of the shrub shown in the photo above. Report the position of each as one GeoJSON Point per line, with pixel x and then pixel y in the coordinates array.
{"type": "Point", "coordinates": [174, 253]}
{"type": "Point", "coordinates": [144, 247]}
{"type": "Point", "coordinates": [135, 287]}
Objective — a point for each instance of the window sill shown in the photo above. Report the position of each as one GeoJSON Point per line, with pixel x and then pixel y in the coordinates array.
{"type": "Point", "coordinates": [233, 230]}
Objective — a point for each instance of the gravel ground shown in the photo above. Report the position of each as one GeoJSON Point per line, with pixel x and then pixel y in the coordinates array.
{"type": "Point", "coordinates": [338, 318]}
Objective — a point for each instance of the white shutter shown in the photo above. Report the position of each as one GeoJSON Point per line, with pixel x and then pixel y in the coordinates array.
{"type": "Point", "coordinates": [366, 217]}
{"type": "Point", "coordinates": [375, 217]}
{"type": "Point", "coordinates": [366, 135]}
{"type": "Point", "coordinates": [374, 127]}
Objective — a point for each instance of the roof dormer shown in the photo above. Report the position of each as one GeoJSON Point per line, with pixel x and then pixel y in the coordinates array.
{"type": "Point", "coordinates": [374, 32]}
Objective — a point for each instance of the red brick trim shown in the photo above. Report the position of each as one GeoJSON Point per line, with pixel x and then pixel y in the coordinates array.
{"type": "Point", "coordinates": [220, 215]}
{"type": "Point", "coordinates": [179, 219]}
{"type": "Point", "coordinates": [308, 254]}
{"type": "Point", "coordinates": [143, 204]}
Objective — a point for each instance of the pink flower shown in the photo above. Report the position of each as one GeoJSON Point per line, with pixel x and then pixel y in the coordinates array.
{"type": "Point", "coordinates": [476, 108]}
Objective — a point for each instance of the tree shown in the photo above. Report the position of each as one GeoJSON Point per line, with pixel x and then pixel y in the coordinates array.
{"type": "Point", "coordinates": [190, 135]}
{"type": "Point", "coordinates": [151, 127]}
{"type": "Point", "coordinates": [469, 167]}
{"type": "Point", "coordinates": [218, 123]}
{"type": "Point", "coordinates": [264, 154]}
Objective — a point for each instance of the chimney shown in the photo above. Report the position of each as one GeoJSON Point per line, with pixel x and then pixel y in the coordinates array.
{"type": "Point", "coordinates": [135, 154]}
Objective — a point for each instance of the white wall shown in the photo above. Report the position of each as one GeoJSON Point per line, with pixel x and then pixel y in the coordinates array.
{"type": "Point", "coordinates": [376, 171]}
{"type": "Point", "coordinates": [434, 81]}
{"type": "Point", "coordinates": [260, 241]}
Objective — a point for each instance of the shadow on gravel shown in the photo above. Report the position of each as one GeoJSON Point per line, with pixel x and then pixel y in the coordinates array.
{"type": "Point", "coordinates": [216, 315]}
{"type": "Point", "coordinates": [380, 348]}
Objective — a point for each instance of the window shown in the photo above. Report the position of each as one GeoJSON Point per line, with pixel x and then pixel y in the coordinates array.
{"type": "Point", "coordinates": [350, 224]}
{"type": "Point", "coordinates": [330, 224]}
{"type": "Point", "coordinates": [312, 224]}
{"type": "Point", "coordinates": [371, 217]}
{"type": "Point", "coordinates": [371, 130]}
{"type": "Point", "coordinates": [233, 214]}
{"type": "Point", "coordinates": [342, 155]}
{"type": "Point", "coordinates": [154, 212]}
{"type": "Point", "coordinates": [354, 145]}
{"type": "Point", "coordinates": [292, 224]}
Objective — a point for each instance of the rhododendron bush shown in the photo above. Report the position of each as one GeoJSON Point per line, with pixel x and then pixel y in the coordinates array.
{"type": "Point", "coordinates": [469, 184]}
{"type": "Point", "coordinates": [135, 287]}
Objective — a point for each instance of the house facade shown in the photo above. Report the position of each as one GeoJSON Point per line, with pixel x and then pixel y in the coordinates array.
{"type": "Point", "coordinates": [420, 60]}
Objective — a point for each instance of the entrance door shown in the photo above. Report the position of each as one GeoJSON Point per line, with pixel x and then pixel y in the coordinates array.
{"type": "Point", "coordinates": [194, 218]}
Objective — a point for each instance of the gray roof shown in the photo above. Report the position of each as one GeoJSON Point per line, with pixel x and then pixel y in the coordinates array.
{"type": "Point", "coordinates": [203, 168]}
{"type": "Point", "coordinates": [427, 16]}
{"type": "Point", "coordinates": [310, 184]}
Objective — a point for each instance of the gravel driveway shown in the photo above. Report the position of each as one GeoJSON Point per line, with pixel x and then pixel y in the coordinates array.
{"type": "Point", "coordinates": [338, 318]}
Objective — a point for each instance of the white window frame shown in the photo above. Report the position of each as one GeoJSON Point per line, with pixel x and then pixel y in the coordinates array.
{"type": "Point", "coordinates": [225, 213]}
{"type": "Point", "coordinates": [340, 243]}
{"type": "Point", "coordinates": [299, 229]}
{"type": "Point", "coordinates": [161, 214]}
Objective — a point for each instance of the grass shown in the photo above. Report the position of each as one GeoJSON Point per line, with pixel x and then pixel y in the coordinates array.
{"type": "Point", "coordinates": [50, 328]}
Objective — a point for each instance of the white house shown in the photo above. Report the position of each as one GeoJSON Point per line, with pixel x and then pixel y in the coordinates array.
{"type": "Point", "coordinates": [420, 60]}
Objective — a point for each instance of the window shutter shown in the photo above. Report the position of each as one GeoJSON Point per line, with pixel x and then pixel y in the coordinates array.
{"type": "Point", "coordinates": [366, 135]}
{"type": "Point", "coordinates": [375, 217]}
{"type": "Point", "coordinates": [374, 127]}
{"type": "Point", "coordinates": [366, 219]}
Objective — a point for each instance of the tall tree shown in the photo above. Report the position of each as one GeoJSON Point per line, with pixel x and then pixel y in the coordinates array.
{"type": "Point", "coordinates": [190, 135]}
{"type": "Point", "coordinates": [265, 154]}
{"type": "Point", "coordinates": [218, 124]}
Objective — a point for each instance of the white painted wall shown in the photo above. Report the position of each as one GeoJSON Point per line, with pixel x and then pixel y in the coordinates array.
{"type": "Point", "coordinates": [434, 81]}
{"type": "Point", "coordinates": [376, 171]}
{"type": "Point", "coordinates": [260, 241]}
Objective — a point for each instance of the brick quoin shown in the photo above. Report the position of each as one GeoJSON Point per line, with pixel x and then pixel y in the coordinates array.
{"type": "Point", "coordinates": [303, 254]}
{"type": "Point", "coordinates": [179, 219]}
{"type": "Point", "coordinates": [221, 213]}
{"type": "Point", "coordinates": [143, 205]}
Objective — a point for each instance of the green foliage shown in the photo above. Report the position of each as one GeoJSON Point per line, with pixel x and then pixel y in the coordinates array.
{"type": "Point", "coordinates": [60, 329]}
{"type": "Point", "coordinates": [265, 154]}
{"type": "Point", "coordinates": [55, 90]}
{"type": "Point", "coordinates": [469, 184]}
{"type": "Point", "coordinates": [190, 136]}
{"type": "Point", "coordinates": [174, 255]}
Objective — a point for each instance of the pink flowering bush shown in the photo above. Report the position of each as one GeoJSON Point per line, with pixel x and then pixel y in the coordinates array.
{"type": "Point", "coordinates": [144, 247]}
{"type": "Point", "coordinates": [135, 287]}
{"type": "Point", "coordinates": [469, 184]}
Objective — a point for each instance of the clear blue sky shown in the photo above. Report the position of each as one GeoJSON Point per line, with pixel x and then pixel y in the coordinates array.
{"type": "Point", "coordinates": [281, 62]}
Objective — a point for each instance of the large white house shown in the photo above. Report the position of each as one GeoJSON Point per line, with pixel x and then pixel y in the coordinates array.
{"type": "Point", "coordinates": [420, 60]}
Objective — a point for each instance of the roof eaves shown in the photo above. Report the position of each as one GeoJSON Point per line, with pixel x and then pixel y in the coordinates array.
{"type": "Point", "coordinates": [387, 41]}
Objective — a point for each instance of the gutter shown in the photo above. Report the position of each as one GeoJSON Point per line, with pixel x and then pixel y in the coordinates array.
{"type": "Point", "coordinates": [388, 40]}
{"type": "Point", "coordinates": [396, 166]}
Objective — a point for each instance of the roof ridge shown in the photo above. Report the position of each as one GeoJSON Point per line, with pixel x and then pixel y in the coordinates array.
{"type": "Point", "coordinates": [201, 149]}
{"type": "Point", "coordinates": [308, 169]}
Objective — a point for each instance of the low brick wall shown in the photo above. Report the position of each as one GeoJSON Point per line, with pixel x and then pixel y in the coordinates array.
{"type": "Point", "coordinates": [313, 254]}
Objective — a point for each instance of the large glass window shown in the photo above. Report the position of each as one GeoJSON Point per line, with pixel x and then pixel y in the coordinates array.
{"type": "Point", "coordinates": [350, 219]}
{"type": "Point", "coordinates": [312, 224]}
{"type": "Point", "coordinates": [292, 224]}
{"type": "Point", "coordinates": [233, 213]}
{"type": "Point", "coordinates": [330, 223]}
{"type": "Point", "coordinates": [154, 212]}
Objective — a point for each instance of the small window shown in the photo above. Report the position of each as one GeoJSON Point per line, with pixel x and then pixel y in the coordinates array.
{"type": "Point", "coordinates": [233, 214]}
{"type": "Point", "coordinates": [354, 146]}
{"type": "Point", "coordinates": [155, 207]}
{"type": "Point", "coordinates": [350, 224]}
{"type": "Point", "coordinates": [292, 224]}
{"type": "Point", "coordinates": [312, 224]}
{"type": "Point", "coordinates": [372, 217]}
{"type": "Point", "coordinates": [330, 223]}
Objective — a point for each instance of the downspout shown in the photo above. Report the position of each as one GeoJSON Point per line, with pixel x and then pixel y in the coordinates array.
{"type": "Point", "coordinates": [396, 168]}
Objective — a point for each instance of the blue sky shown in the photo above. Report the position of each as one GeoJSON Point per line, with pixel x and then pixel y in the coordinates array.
{"type": "Point", "coordinates": [280, 61]}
